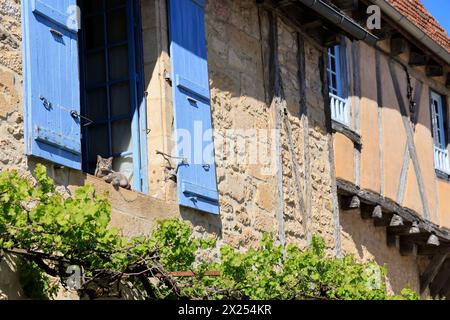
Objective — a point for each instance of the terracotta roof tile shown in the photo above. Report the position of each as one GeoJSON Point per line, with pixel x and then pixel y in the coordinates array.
{"type": "Point", "coordinates": [415, 12]}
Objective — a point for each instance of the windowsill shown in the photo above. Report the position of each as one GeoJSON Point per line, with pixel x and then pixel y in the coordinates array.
{"type": "Point", "coordinates": [442, 175]}
{"type": "Point", "coordinates": [347, 131]}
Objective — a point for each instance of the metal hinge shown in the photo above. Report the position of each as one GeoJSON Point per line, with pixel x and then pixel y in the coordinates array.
{"type": "Point", "coordinates": [168, 77]}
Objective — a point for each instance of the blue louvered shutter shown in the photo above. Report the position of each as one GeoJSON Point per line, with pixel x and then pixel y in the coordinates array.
{"type": "Point", "coordinates": [51, 79]}
{"type": "Point", "coordinates": [197, 186]}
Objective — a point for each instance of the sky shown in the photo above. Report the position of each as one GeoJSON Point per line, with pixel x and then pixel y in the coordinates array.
{"type": "Point", "coordinates": [440, 9]}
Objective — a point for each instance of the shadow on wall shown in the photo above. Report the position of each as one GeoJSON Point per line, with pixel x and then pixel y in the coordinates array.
{"type": "Point", "coordinates": [203, 222]}
{"type": "Point", "coordinates": [9, 282]}
{"type": "Point", "coordinates": [368, 243]}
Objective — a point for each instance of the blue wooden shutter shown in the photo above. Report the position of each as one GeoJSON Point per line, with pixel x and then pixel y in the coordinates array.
{"type": "Point", "coordinates": [197, 186]}
{"type": "Point", "coordinates": [438, 120]}
{"type": "Point", "coordinates": [51, 79]}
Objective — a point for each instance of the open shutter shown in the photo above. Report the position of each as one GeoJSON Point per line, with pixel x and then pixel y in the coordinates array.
{"type": "Point", "coordinates": [197, 186]}
{"type": "Point", "coordinates": [51, 76]}
{"type": "Point", "coordinates": [438, 120]}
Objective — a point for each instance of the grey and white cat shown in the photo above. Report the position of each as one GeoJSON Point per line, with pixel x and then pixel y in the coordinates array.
{"type": "Point", "coordinates": [104, 171]}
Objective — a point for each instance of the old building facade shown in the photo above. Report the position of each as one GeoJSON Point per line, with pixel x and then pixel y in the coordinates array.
{"type": "Point", "coordinates": [318, 129]}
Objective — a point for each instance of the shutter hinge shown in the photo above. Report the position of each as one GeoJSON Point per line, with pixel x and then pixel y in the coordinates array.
{"type": "Point", "coordinates": [168, 77]}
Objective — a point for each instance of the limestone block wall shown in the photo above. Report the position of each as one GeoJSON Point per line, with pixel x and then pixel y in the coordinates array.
{"type": "Point", "coordinates": [11, 120]}
{"type": "Point", "coordinates": [238, 39]}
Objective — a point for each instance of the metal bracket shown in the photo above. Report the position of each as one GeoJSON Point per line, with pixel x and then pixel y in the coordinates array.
{"type": "Point", "coordinates": [74, 114]}
{"type": "Point", "coordinates": [46, 103]}
{"type": "Point", "coordinates": [56, 33]}
{"type": "Point", "coordinates": [193, 199]}
{"type": "Point", "coordinates": [168, 77]}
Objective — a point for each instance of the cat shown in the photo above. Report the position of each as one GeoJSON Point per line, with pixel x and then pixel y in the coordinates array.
{"type": "Point", "coordinates": [104, 171]}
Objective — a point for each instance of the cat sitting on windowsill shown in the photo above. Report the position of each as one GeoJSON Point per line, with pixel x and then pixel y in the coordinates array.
{"type": "Point", "coordinates": [104, 171]}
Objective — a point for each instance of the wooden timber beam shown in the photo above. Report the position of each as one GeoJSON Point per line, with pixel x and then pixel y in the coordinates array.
{"type": "Point", "coordinates": [330, 37]}
{"type": "Point", "coordinates": [417, 59]}
{"type": "Point", "coordinates": [407, 248]}
{"type": "Point", "coordinates": [427, 250]}
{"type": "Point", "coordinates": [284, 3]}
{"type": "Point", "coordinates": [346, 188]}
{"type": "Point", "coordinates": [434, 70]}
{"type": "Point", "coordinates": [432, 270]}
{"type": "Point", "coordinates": [385, 32]}
{"type": "Point", "coordinates": [367, 210]}
{"type": "Point", "coordinates": [406, 229]}
{"type": "Point", "coordinates": [439, 284]}
{"type": "Point", "coordinates": [399, 45]}
{"type": "Point", "coordinates": [353, 136]}
{"type": "Point", "coordinates": [398, 230]}
{"type": "Point", "coordinates": [346, 5]}
{"type": "Point", "coordinates": [392, 240]}
{"type": "Point", "coordinates": [384, 221]}
{"type": "Point", "coordinates": [445, 291]}
{"type": "Point", "coordinates": [349, 203]}
{"type": "Point", "coordinates": [314, 24]}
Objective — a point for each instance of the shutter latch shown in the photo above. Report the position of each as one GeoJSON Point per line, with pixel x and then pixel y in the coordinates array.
{"type": "Point", "coordinates": [174, 171]}
{"type": "Point", "coordinates": [46, 103]}
{"type": "Point", "coordinates": [74, 114]}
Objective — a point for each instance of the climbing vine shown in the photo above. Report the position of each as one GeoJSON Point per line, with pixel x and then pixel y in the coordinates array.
{"type": "Point", "coordinates": [51, 232]}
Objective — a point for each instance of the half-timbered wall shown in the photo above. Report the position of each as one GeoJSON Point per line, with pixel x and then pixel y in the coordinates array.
{"type": "Point", "coordinates": [396, 157]}
{"type": "Point", "coordinates": [292, 195]}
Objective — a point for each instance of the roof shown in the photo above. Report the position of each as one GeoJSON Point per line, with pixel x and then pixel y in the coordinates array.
{"type": "Point", "coordinates": [416, 13]}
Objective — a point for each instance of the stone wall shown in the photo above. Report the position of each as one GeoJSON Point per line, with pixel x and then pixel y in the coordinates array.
{"type": "Point", "coordinates": [238, 59]}
{"type": "Point", "coordinates": [11, 119]}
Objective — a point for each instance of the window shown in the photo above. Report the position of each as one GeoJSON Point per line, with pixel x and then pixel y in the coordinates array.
{"type": "Point", "coordinates": [438, 113]}
{"type": "Point", "coordinates": [82, 91]}
{"type": "Point", "coordinates": [108, 91]}
{"type": "Point", "coordinates": [340, 109]}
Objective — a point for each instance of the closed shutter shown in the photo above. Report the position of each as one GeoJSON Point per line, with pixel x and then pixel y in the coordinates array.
{"type": "Point", "coordinates": [197, 186]}
{"type": "Point", "coordinates": [51, 79]}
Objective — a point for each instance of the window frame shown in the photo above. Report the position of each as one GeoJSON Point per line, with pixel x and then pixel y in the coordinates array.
{"type": "Point", "coordinates": [439, 130]}
{"type": "Point", "coordinates": [138, 106]}
{"type": "Point", "coordinates": [440, 134]}
{"type": "Point", "coordinates": [339, 92]}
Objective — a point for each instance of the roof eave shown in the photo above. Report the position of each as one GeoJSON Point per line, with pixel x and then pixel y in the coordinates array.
{"type": "Point", "coordinates": [413, 30]}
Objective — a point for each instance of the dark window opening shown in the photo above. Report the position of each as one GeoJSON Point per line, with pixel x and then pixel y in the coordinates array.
{"type": "Point", "coordinates": [109, 86]}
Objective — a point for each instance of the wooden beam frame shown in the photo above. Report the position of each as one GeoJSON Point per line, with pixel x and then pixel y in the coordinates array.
{"type": "Point", "coordinates": [390, 206]}
{"type": "Point", "coordinates": [432, 270]}
{"type": "Point", "coordinates": [442, 280]}
{"type": "Point", "coordinates": [384, 221]}
{"type": "Point", "coordinates": [407, 248]}
{"type": "Point", "coordinates": [409, 138]}
{"type": "Point", "coordinates": [399, 45]}
{"type": "Point", "coordinates": [347, 5]}
{"type": "Point", "coordinates": [346, 131]}
{"type": "Point", "coordinates": [417, 59]}
{"type": "Point", "coordinates": [349, 203]}
{"type": "Point", "coordinates": [445, 291]}
{"type": "Point", "coordinates": [425, 250]}
{"type": "Point", "coordinates": [317, 23]}
{"type": "Point", "coordinates": [434, 70]}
